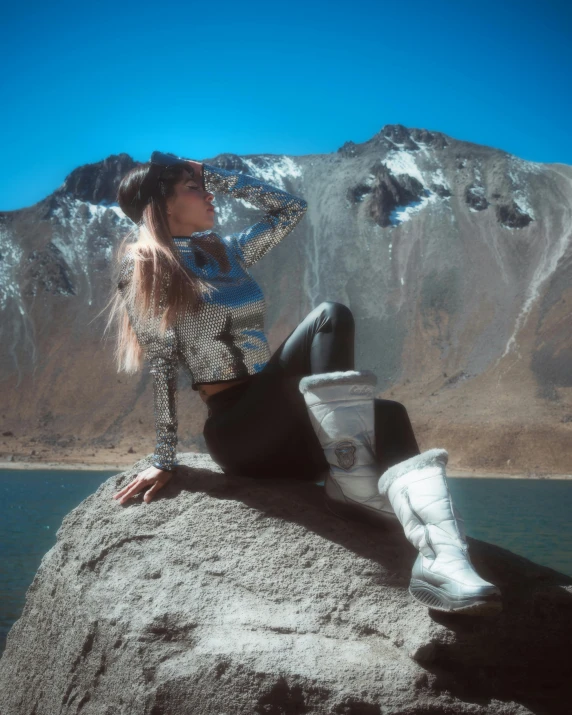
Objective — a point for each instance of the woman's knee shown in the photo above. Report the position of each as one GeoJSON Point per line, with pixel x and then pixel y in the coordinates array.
{"type": "Point", "coordinates": [338, 311]}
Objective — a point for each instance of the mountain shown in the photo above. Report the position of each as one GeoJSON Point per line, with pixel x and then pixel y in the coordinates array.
{"type": "Point", "coordinates": [455, 259]}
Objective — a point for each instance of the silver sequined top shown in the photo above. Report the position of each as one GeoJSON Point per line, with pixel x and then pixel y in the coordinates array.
{"type": "Point", "coordinates": [225, 339]}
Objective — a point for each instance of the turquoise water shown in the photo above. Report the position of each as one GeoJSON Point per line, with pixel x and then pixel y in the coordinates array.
{"type": "Point", "coordinates": [527, 517]}
{"type": "Point", "coordinates": [32, 507]}
{"type": "Point", "coordinates": [531, 518]}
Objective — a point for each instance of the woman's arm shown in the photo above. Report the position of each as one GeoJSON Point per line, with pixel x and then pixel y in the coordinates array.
{"type": "Point", "coordinates": [161, 352]}
{"type": "Point", "coordinates": [282, 210]}
{"type": "Point", "coordinates": [164, 369]}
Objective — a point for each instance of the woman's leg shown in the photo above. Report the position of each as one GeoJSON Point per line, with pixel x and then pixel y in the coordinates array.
{"type": "Point", "coordinates": [322, 342]}
{"type": "Point", "coordinates": [443, 576]}
{"type": "Point", "coordinates": [262, 428]}
{"type": "Point", "coordinates": [394, 437]}
{"type": "Point", "coordinates": [273, 415]}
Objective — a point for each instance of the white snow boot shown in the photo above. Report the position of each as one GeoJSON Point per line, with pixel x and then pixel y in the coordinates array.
{"type": "Point", "coordinates": [443, 576]}
{"type": "Point", "coordinates": [341, 409]}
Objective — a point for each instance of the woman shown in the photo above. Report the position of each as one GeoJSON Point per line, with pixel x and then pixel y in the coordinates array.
{"type": "Point", "coordinates": [185, 296]}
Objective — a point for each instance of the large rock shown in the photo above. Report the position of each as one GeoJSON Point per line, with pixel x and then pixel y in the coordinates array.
{"type": "Point", "coordinates": [234, 596]}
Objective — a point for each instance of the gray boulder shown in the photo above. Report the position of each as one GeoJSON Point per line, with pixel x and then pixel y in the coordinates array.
{"type": "Point", "coordinates": [232, 596]}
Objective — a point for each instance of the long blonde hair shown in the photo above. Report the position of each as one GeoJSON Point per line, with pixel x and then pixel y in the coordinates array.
{"type": "Point", "coordinates": [148, 274]}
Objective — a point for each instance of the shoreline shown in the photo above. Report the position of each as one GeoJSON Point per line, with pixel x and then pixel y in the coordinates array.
{"type": "Point", "coordinates": [63, 466]}
{"type": "Point", "coordinates": [110, 467]}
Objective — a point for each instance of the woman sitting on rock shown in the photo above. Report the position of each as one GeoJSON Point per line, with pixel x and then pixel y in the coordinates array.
{"type": "Point", "coordinates": [186, 296]}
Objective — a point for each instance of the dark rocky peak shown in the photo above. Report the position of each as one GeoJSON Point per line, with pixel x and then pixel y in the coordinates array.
{"type": "Point", "coordinates": [511, 215]}
{"type": "Point", "coordinates": [398, 134]}
{"type": "Point", "coordinates": [350, 148]}
{"type": "Point", "coordinates": [392, 135]}
{"type": "Point", "coordinates": [411, 138]}
{"type": "Point", "coordinates": [391, 191]}
{"type": "Point", "coordinates": [475, 197]}
{"type": "Point", "coordinates": [98, 182]}
{"type": "Point", "coordinates": [437, 140]}
{"type": "Point", "coordinates": [386, 192]}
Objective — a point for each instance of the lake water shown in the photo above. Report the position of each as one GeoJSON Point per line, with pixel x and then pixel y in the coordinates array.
{"type": "Point", "coordinates": [528, 517]}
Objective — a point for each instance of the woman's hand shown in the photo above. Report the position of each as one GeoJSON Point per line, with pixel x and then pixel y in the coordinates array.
{"type": "Point", "coordinates": [150, 476]}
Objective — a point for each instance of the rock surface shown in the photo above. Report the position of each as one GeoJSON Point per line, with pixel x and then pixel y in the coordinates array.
{"type": "Point", "coordinates": [233, 596]}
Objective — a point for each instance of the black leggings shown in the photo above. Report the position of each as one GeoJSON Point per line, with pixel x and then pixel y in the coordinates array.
{"type": "Point", "coordinates": [261, 427]}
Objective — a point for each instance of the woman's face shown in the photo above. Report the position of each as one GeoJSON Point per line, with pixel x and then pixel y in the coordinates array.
{"type": "Point", "coordinates": [190, 209]}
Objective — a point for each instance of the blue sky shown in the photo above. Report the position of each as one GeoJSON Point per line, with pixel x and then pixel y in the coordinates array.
{"type": "Point", "coordinates": [82, 81]}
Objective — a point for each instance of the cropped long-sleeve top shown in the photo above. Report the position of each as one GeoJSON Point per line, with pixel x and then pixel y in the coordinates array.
{"type": "Point", "coordinates": [225, 338]}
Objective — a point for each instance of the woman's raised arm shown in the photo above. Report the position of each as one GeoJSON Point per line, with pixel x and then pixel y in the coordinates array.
{"type": "Point", "coordinates": [282, 210]}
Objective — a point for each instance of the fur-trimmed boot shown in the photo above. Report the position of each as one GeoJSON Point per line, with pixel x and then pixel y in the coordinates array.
{"type": "Point", "coordinates": [341, 409]}
{"type": "Point", "coordinates": [443, 576]}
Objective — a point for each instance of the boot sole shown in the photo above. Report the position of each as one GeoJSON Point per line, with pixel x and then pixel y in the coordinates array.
{"type": "Point", "coordinates": [350, 512]}
{"type": "Point", "coordinates": [436, 599]}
